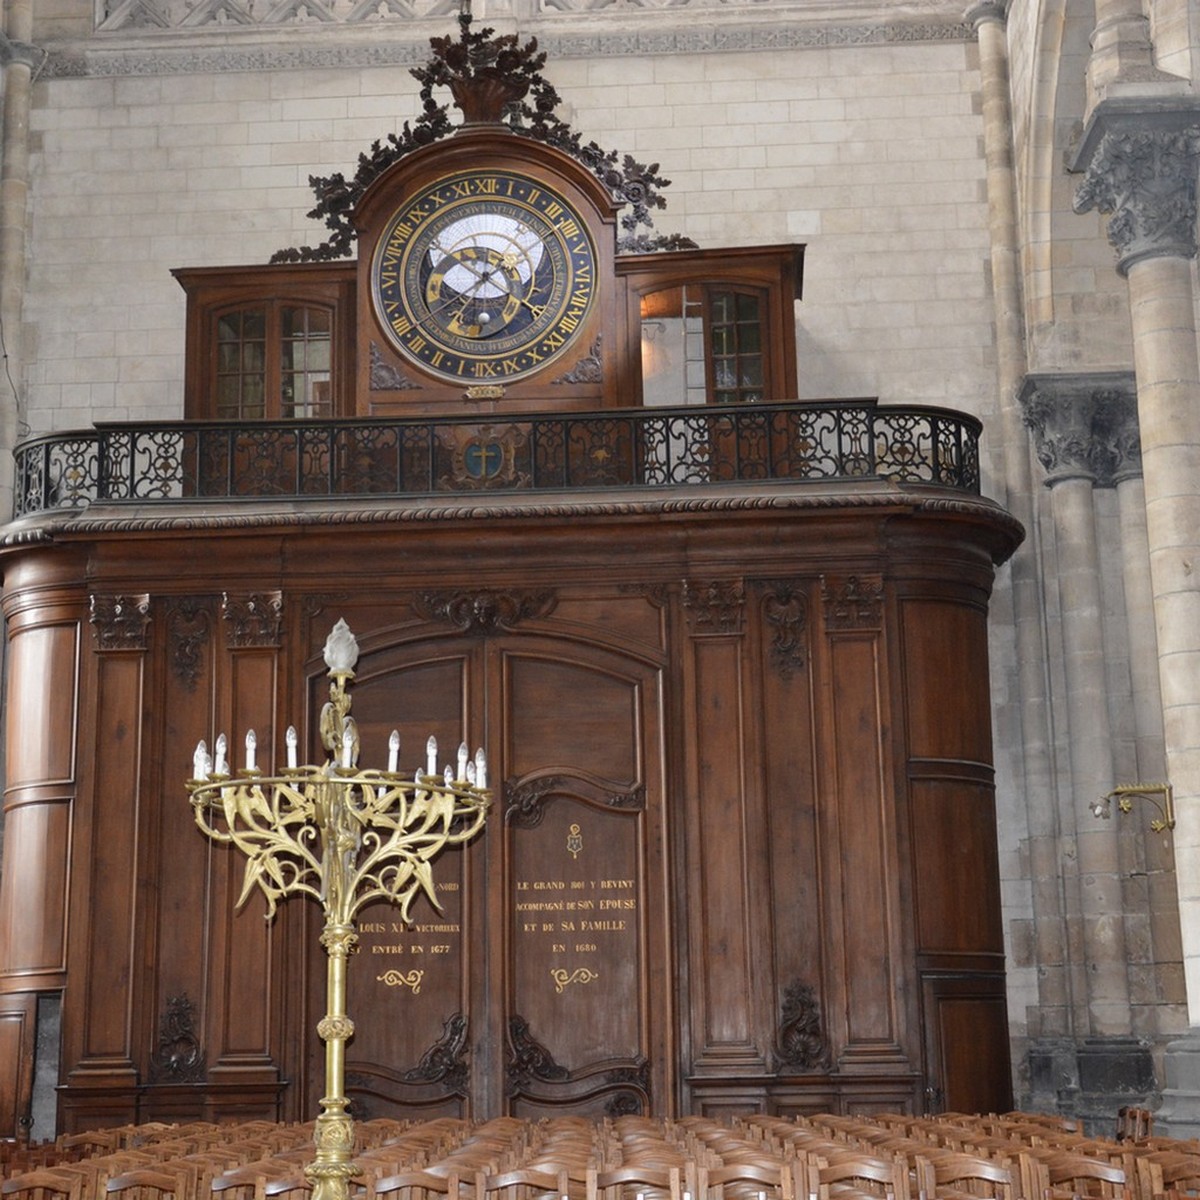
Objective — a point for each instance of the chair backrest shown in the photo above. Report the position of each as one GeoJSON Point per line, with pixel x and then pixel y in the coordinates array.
{"type": "Point", "coordinates": [522, 1183]}
{"type": "Point", "coordinates": [631, 1181]}
{"type": "Point", "coordinates": [869, 1174]}
{"type": "Point", "coordinates": [143, 1183]}
{"type": "Point", "coordinates": [746, 1181]}
{"type": "Point", "coordinates": [978, 1176]}
{"type": "Point", "coordinates": [44, 1184]}
{"type": "Point", "coordinates": [413, 1185]}
{"type": "Point", "coordinates": [1134, 1124]}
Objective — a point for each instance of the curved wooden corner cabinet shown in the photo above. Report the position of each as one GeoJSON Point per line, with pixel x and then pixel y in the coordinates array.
{"type": "Point", "coordinates": [743, 853]}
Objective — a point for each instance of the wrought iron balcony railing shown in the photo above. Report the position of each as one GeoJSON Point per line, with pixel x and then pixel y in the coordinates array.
{"type": "Point", "coordinates": [213, 461]}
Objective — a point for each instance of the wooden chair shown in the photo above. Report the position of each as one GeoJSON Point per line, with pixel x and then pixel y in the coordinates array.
{"type": "Point", "coordinates": [1163, 1173]}
{"type": "Point", "coordinates": [632, 1181]}
{"type": "Point", "coordinates": [523, 1183]}
{"type": "Point", "coordinates": [853, 1176]}
{"type": "Point", "coordinates": [412, 1185]}
{"type": "Point", "coordinates": [46, 1183]}
{"type": "Point", "coordinates": [958, 1176]}
{"type": "Point", "coordinates": [152, 1183]}
{"type": "Point", "coordinates": [746, 1181]}
{"type": "Point", "coordinates": [1068, 1176]}
{"type": "Point", "coordinates": [1134, 1124]}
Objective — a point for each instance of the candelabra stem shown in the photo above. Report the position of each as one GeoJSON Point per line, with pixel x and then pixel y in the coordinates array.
{"type": "Point", "coordinates": [333, 1167]}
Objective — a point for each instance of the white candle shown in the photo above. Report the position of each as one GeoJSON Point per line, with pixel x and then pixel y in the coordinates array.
{"type": "Point", "coordinates": [480, 769]}
{"type": "Point", "coordinates": [449, 775]}
{"type": "Point", "coordinates": [347, 746]}
{"type": "Point", "coordinates": [292, 742]}
{"type": "Point", "coordinates": [219, 766]}
{"type": "Point", "coordinates": [394, 752]}
{"type": "Point", "coordinates": [199, 759]}
{"type": "Point", "coordinates": [251, 749]}
{"type": "Point", "coordinates": [462, 761]}
{"type": "Point", "coordinates": [431, 756]}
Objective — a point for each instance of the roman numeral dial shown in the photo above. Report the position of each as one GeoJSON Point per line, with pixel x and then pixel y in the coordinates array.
{"type": "Point", "coordinates": [484, 275]}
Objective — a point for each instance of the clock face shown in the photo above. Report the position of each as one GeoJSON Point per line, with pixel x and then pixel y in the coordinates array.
{"type": "Point", "coordinates": [484, 277]}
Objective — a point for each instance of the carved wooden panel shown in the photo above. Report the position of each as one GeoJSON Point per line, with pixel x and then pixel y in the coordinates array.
{"type": "Point", "coordinates": [245, 990]}
{"type": "Point", "coordinates": [409, 987]}
{"type": "Point", "coordinates": [585, 916]}
{"type": "Point", "coordinates": [110, 853]}
{"type": "Point", "coordinates": [859, 851]}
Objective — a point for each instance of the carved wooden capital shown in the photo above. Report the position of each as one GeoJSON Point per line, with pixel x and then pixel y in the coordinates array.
{"type": "Point", "coordinates": [715, 607]}
{"type": "Point", "coordinates": [253, 621]}
{"type": "Point", "coordinates": [855, 602]}
{"type": "Point", "coordinates": [120, 622]}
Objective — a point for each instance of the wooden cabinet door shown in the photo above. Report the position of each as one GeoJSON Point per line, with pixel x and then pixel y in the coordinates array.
{"type": "Point", "coordinates": [530, 991]}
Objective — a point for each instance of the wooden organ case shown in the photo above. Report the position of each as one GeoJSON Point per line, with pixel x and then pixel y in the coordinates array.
{"type": "Point", "coordinates": [743, 852]}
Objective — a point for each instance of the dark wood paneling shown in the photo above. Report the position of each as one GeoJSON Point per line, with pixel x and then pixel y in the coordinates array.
{"type": "Point", "coordinates": [860, 853]}
{"type": "Point", "coordinates": [18, 1041]}
{"type": "Point", "coordinates": [106, 913]}
{"type": "Point", "coordinates": [958, 884]}
{"type": "Point", "coordinates": [244, 990]}
{"type": "Point", "coordinates": [961, 1014]}
{"type": "Point", "coordinates": [757, 762]}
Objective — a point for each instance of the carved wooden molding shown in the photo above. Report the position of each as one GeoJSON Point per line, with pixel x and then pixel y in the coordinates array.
{"type": "Point", "coordinates": [178, 1057]}
{"type": "Point", "coordinates": [189, 629]}
{"type": "Point", "coordinates": [253, 621]}
{"type": "Point", "coordinates": [634, 1097]}
{"type": "Point", "coordinates": [526, 800]}
{"type": "Point", "coordinates": [385, 376]}
{"type": "Point", "coordinates": [855, 602]}
{"type": "Point", "coordinates": [801, 1041]}
{"type": "Point", "coordinates": [589, 369]}
{"type": "Point", "coordinates": [785, 611]}
{"type": "Point", "coordinates": [715, 607]}
{"type": "Point", "coordinates": [120, 622]}
{"type": "Point", "coordinates": [485, 612]}
{"type": "Point", "coordinates": [528, 1059]}
{"type": "Point", "coordinates": [445, 1061]}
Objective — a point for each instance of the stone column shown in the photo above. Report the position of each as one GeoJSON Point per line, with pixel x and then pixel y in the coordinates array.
{"type": "Point", "coordinates": [1072, 421]}
{"type": "Point", "coordinates": [1050, 1021]}
{"type": "Point", "coordinates": [19, 59]}
{"type": "Point", "coordinates": [1060, 412]}
{"type": "Point", "coordinates": [1142, 168]}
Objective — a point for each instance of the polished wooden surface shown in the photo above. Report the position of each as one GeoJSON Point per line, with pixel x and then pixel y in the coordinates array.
{"type": "Point", "coordinates": [742, 856]}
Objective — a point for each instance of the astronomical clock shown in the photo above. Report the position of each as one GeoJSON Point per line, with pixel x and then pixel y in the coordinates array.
{"type": "Point", "coordinates": [486, 274]}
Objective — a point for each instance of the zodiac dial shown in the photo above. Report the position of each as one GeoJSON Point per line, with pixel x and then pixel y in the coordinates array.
{"type": "Point", "coordinates": [484, 276]}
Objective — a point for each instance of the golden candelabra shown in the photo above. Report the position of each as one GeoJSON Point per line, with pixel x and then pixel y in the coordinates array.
{"type": "Point", "coordinates": [347, 838]}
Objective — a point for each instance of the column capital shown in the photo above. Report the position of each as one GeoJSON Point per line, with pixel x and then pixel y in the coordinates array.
{"type": "Point", "coordinates": [21, 53]}
{"type": "Point", "coordinates": [986, 10]}
{"type": "Point", "coordinates": [1084, 426]}
{"type": "Point", "coordinates": [1141, 162]}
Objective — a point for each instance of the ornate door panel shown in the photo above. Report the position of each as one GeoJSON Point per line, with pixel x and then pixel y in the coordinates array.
{"type": "Point", "coordinates": [585, 927]}
{"type": "Point", "coordinates": [409, 985]}
{"type": "Point", "coordinates": [529, 990]}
